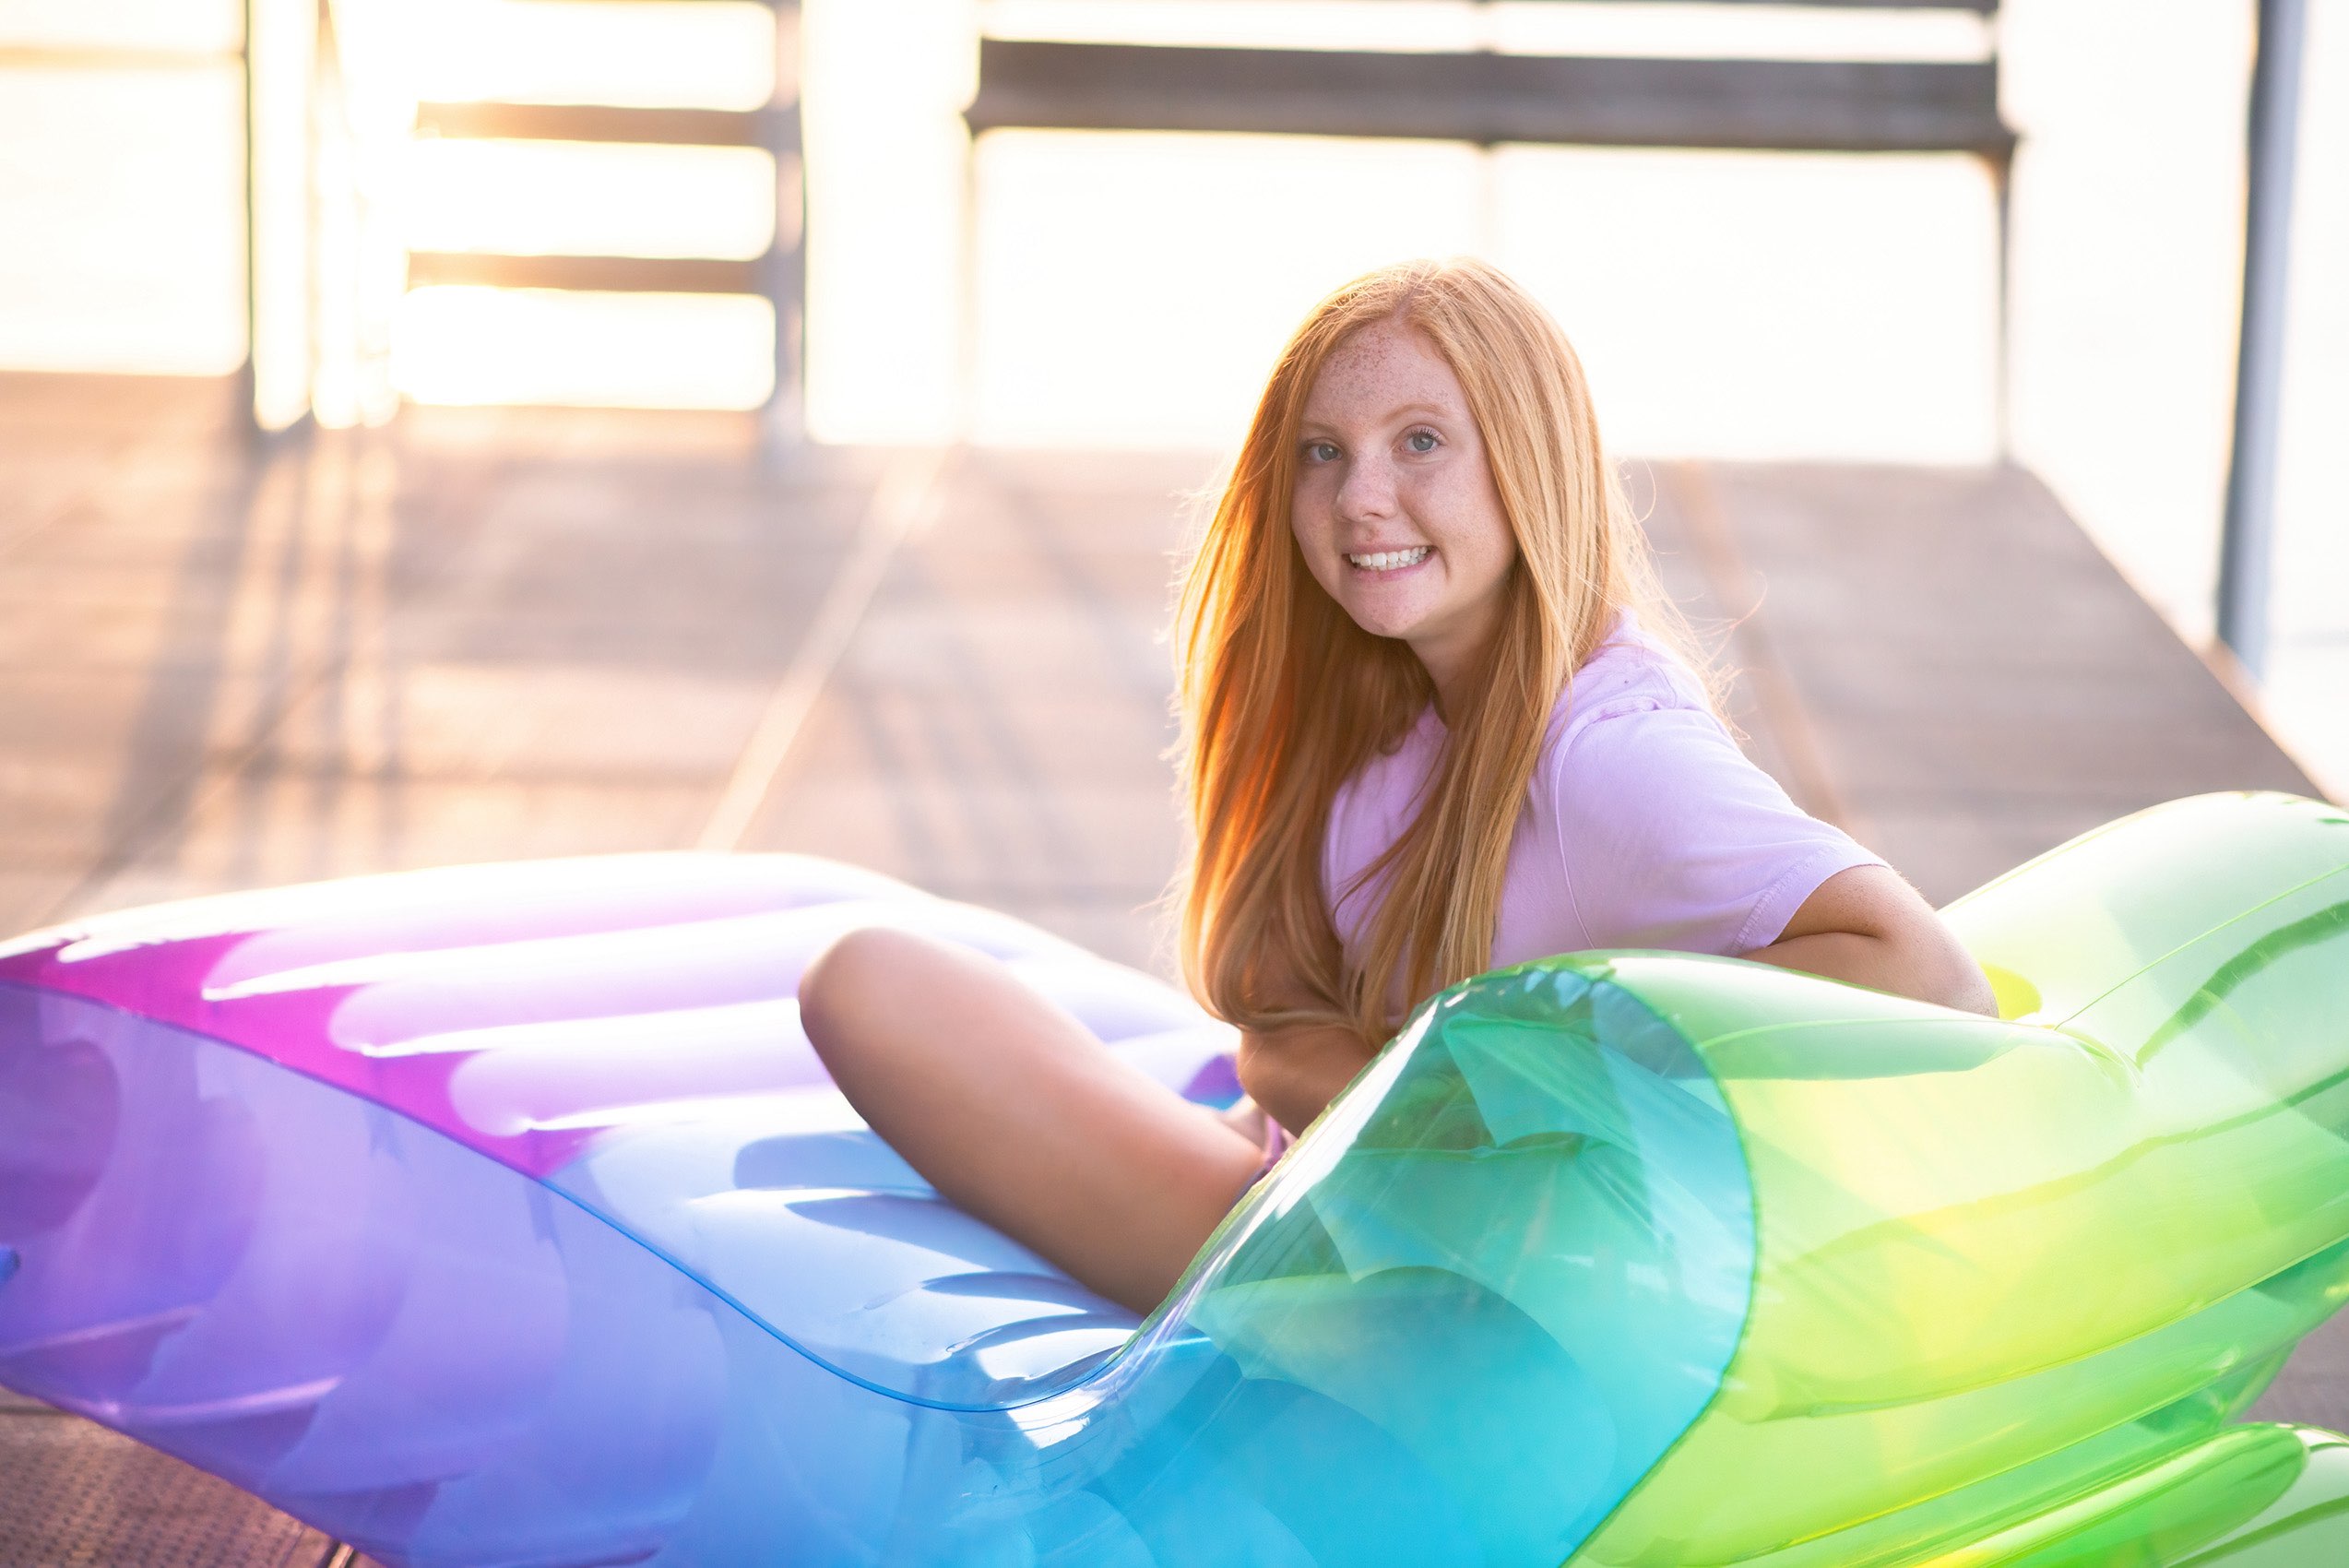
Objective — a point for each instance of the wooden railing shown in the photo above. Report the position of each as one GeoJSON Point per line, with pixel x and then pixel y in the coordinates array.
{"type": "Point", "coordinates": [1485, 97]}
{"type": "Point", "coordinates": [778, 274]}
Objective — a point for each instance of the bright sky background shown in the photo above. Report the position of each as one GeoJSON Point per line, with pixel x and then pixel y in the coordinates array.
{"type": "Point", "coordinates": [1062, 288]}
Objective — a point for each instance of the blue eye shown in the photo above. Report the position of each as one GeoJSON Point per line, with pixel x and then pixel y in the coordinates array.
{"type": "Point", "coordinates": [1417, 436]}
{"type": "Point", "coordinates": [1320, 451]}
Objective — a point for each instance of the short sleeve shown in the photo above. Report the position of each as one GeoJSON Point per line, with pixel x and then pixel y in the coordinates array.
{"type": "Point", "coordinates": [1671, 836]}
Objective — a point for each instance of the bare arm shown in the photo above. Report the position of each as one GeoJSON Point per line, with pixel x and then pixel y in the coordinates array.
{"type": "Point", "coordinates": [1867, 926]}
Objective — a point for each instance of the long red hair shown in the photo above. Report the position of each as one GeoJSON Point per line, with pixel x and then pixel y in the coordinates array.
{"type": "Point", "coordinates": [1282, 696]}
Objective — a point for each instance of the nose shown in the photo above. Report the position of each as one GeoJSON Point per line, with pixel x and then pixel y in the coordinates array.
{"type": "Point", "coordinates": [1367, 492]}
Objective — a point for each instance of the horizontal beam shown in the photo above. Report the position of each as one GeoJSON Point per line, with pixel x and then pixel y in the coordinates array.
{"type": "Point", "coordinates": [1981, 8]}
{"type": "Point", "coordinates": [794, 4]}
{"type": "Point", "coordinates": [111, 57]}
{"type": "Point", "coordinates": [1790, 105]}
{"type": "Point", "coordinates": [577, 122]}
{"type": "Point", "coordinates": [597, 274]}
{"type": "Point", "coordinates": [1984, 7]}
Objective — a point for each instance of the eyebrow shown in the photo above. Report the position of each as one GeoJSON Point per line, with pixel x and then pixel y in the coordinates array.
{"type": "Point", "coordinates": [1303, 425]}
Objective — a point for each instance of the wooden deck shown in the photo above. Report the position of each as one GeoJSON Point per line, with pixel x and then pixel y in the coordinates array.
{"type": "Point", "coordinates": [484, 634]}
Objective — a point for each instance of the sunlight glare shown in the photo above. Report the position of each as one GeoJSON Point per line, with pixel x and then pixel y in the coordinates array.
{"type": "Point", "coordinates": [886, 159]}
{"type": "Point", "coordinates": [1134, 289]}
{"type": "Point", "coordinates": [587, 198]}
{"type": "Point", "coordinates": [139, 267]}
{"type": "Point", "coordinates": [1767, 305]}
{"type": "Point", "coordinates": [711, 55]}
{"type": "Point", "coordinates": [193, 27]}
{"type": "Point", "coordinates": [471, 345]}
{"type": "Point", "coordinates": [1262, 24]}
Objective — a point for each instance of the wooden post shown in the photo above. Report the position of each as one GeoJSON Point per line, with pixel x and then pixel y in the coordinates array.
{"type": "Point", "coordinates": [784, 424]}
{"type": "Point", "coordinates": [247, 380]}
{"type": "Point", "coordinates": [280, 56]}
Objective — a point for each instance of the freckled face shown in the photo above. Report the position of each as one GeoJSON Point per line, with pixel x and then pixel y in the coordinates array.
{"type": "Point", "coordinates": [1395, 509]}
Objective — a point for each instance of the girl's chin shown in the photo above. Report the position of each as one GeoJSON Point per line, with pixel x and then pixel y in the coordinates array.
{"type": "Point", "coordinates": [1387, 620]}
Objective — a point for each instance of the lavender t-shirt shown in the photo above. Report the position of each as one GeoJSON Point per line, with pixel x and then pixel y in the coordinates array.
{"type": "Point", "coordinates": [1644, 826]}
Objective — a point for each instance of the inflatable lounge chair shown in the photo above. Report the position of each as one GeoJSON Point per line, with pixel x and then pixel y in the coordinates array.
{"type": "Point", "coordinates": [502, 1217]}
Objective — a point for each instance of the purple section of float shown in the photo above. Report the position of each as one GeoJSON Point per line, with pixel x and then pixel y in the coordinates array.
{"type": "Point", "coordinates": [526, 1010]}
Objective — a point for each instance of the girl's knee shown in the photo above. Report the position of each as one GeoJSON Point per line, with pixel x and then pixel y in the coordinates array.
{"type": "Point", "coordinates": [851, 975]}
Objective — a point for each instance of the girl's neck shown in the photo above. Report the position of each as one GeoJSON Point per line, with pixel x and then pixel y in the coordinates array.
{"type": "Point", "coordinates": [1455, 681]}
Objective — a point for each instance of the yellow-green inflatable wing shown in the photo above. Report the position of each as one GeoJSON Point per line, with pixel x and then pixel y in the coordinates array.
{"type": "Point", "coordinates": [1676, 1261]}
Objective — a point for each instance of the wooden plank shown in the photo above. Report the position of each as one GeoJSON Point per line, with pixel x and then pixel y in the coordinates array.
{"type": "Point", "coordinates": [607, 274]}
{"type": "Point", "coordinates": [206, 681]}
{"type": "Point", "coordinates": [1980, 681]}
{"type": "Point", "coordinates": [996, 727]}
{"type": "Point", "coordinates": [76, 1492]}
{"type": "Point", "coordinates": [597, 123]}
{"type": "Point", "coordinates": [1797, 105]}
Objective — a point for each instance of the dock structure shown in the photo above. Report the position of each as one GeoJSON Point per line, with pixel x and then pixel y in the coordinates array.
{"type": "Point", "coordinates": [481, 634]}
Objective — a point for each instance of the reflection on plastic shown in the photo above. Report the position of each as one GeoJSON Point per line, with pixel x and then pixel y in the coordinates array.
{"type": "Point", "coordinates": [503, 1216]}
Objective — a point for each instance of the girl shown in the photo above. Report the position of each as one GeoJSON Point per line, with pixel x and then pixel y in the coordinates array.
{"type": "Point", "coordinates": [1434, 722]}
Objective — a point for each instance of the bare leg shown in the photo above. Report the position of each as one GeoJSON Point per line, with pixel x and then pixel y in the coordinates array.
{"type": "Point", "coordinates": [1017, 1115]}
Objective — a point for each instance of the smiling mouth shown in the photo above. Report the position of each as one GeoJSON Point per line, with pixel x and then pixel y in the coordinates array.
{"type": "Point", "coordinates": [1390, 560]}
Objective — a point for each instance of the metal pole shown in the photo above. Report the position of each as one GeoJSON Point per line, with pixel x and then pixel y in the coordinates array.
{"type": "Point", "coordinates": [2001, 167]}
{"type": "Point", "coordinates": [2248, 543]}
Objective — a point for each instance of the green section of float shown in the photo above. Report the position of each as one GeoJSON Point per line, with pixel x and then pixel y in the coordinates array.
{"type": "Point", "coordinates": [2014, 1277]}
{"type": "Point", "coordinates": [2250, 1497]}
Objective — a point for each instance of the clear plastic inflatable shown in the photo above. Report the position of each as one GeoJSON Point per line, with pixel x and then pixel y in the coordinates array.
{"type": "Point", "coordinates": [503, 1217]}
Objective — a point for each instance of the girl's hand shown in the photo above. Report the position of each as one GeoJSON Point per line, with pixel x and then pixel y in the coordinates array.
{"type": "Point", "coordinates": [1293, 1074]}
{"type": "Point", "coordinates": [1245, 1117]}
{"type": "Point", "coordinates": [1867, 926]}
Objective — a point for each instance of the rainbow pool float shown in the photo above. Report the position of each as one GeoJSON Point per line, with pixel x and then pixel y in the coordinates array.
{"type": "Point", "coordinates": [502, 1217]}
